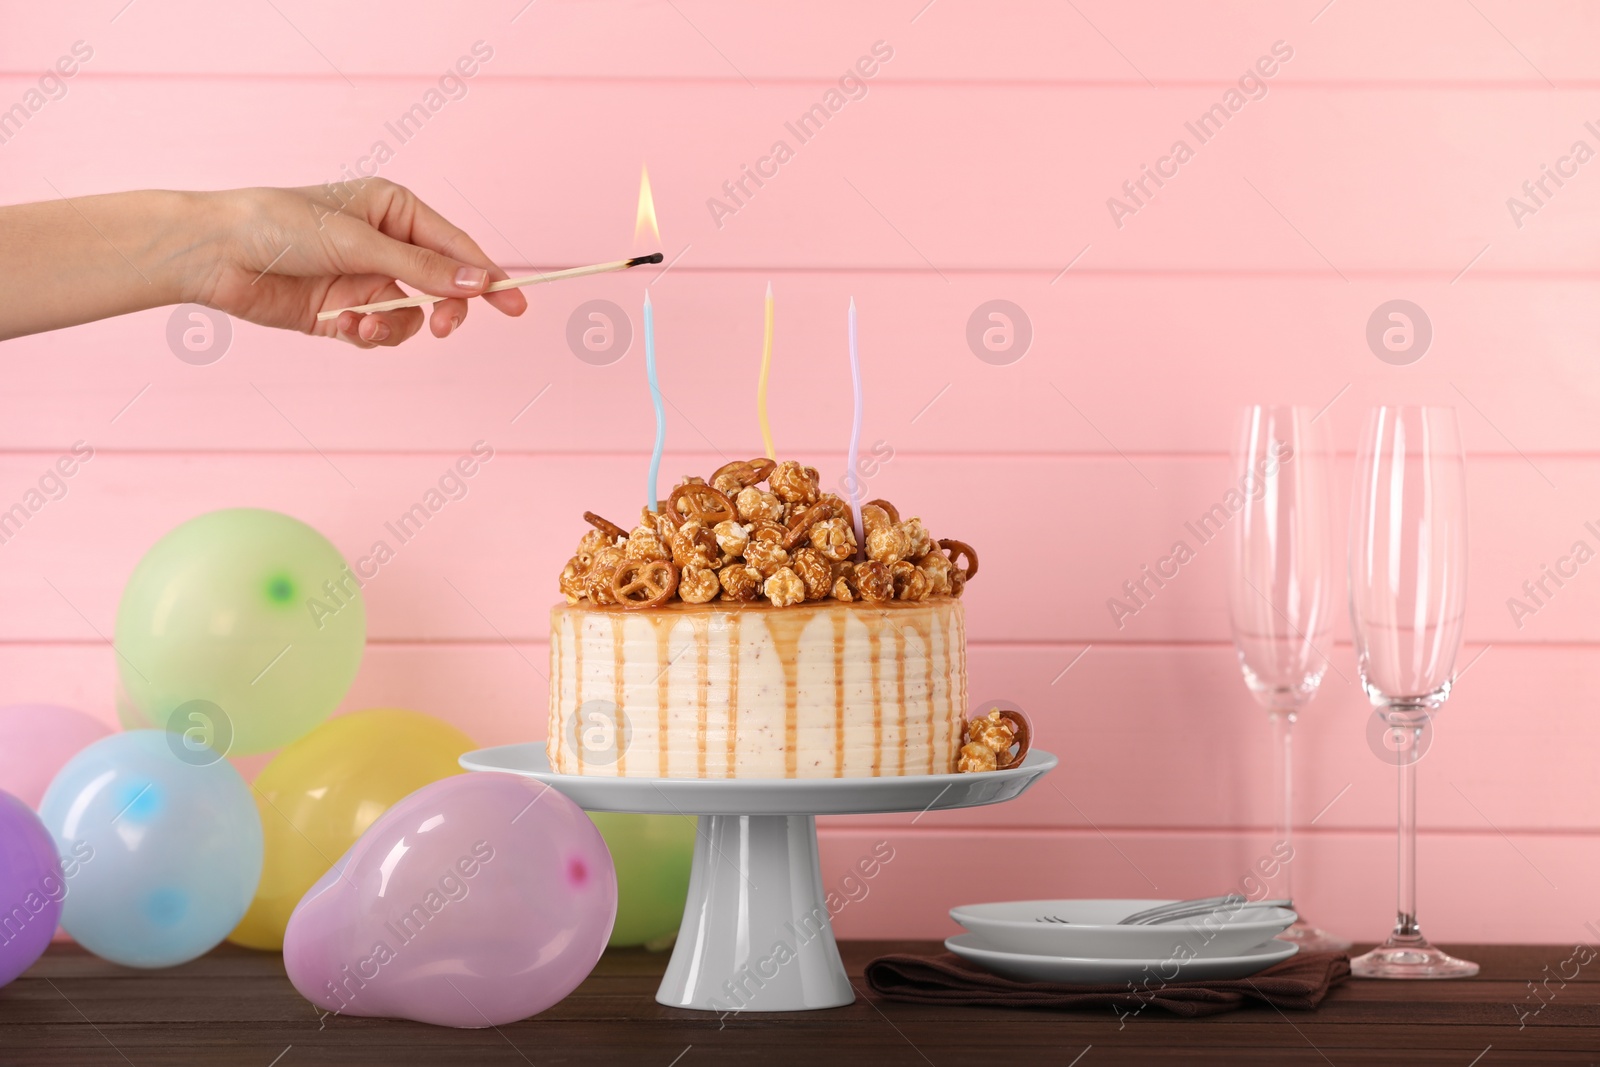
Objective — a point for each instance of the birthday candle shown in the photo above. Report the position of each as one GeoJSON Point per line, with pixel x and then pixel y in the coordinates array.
{"type": "Point", "coordinates": [855, 431]}
{"type": "Point", "coordinates": [761, 388]}
{"type": "Point", "coordinates": [655, 398]}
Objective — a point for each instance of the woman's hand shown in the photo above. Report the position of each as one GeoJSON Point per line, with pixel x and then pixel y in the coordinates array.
{"type": "Point", "coordinates": [280, 256]}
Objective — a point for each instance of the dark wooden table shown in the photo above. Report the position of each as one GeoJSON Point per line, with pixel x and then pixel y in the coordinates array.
{"type": "Point", "coordinates": [236, 1007]}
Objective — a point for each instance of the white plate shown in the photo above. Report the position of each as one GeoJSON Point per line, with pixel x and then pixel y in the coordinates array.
{"type": "Point", "coordinates": [1091, 930]}
{"type": "Point", "coordinates": [1143, 973]}
{"type": "Point", "coordinates": [766, 796]}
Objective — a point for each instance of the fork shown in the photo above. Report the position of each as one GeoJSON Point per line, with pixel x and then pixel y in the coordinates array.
{"type": "Point", "coordinates": [1189, 909]}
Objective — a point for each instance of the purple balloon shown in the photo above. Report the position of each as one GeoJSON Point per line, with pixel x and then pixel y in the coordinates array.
{"type": "Point", "coordinates": [478, 900]}
{"type": "Point", "coordinates": [31, 887]}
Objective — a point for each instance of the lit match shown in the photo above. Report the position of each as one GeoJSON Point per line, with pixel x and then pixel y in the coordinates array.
{"type": "Point", "coordinates": [495, 287]}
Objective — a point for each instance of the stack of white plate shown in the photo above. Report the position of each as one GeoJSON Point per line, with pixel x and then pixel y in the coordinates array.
{"type": "Point", "coordinates": [1080, 941]}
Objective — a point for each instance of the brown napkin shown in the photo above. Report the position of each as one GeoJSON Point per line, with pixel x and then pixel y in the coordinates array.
{"type": "Point", "coordinates": [1299, 982]}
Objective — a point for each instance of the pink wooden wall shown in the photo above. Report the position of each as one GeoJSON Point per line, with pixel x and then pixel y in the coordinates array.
{"type": "Point", "coordinates": [977, 166]}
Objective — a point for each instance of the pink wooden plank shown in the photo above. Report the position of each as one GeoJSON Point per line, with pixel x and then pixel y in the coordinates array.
{"type": "Point", "coordinates": [1154, 364]}
{"type": "Point", "coordinates": [1300, 181]}
{"type": "Point", "coordinates": [1478, 887]}
{"type": "Point", "coordinates": [1032, 40]}
{"type": "Point", "coordinates": [1059, 537]}
{"type": "Point", "coordinates": [1174, 721]}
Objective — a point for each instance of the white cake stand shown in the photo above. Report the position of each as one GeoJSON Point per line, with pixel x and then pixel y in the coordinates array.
{"type": "Point", "coordinates": [756, 933]}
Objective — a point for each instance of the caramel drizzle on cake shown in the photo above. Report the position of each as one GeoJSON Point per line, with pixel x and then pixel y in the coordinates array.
{"type": "Point", "coordinates": [768, 692]}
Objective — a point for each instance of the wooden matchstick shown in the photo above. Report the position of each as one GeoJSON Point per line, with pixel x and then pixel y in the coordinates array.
{"type": "Point", "coordinates": [495, 287]}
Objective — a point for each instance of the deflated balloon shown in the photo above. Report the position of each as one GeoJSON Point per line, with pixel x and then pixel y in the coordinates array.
{"type": "Point", "coordinates": [476, 901]}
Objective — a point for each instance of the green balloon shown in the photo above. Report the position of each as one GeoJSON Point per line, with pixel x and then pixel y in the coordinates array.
{"type": "Point", "coordinates": [241, 629]}
{"type": "Point", "coordinates": [652, 854]}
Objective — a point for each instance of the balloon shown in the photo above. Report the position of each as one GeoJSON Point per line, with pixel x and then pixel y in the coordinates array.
{"type": "Point", "coordinates": [476, 901]}
{"type": "Point", "coordinates": [31, 887]}
{"type": "Point", "coordinates": [35, 740]}
{"type": "Point", "coordinates": [652, 854]}
{"type": "Point", "coordinates": [321, 793]}
{"type": "Point", "coordinates": [168, 849]}
{"type": "Point", "coordinates": [241, 629]}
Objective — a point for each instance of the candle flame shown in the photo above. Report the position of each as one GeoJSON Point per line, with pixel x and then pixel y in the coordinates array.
{"type": "Point", "coordinates": [645, 222]}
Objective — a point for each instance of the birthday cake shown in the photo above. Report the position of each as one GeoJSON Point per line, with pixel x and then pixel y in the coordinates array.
{"type": "Point", "coordinates": [737, 632]}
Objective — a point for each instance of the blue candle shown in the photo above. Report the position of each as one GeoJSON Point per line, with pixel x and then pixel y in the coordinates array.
{"type": "Point", "coordinates": [655, 398]}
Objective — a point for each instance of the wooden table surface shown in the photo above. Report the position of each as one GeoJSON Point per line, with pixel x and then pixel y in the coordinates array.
{"type": "Point", "coordinates": [235, 1006]}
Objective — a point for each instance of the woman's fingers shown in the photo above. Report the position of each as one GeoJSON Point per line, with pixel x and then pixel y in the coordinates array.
{"type": "Point", "coordinates": [446, 316]}
{"type": "Point", "coordinates": [366, 251]}
{"type": "Point", "coordinates": [385, 328]}
{"type": "Point", "coordinates": [409, 219]}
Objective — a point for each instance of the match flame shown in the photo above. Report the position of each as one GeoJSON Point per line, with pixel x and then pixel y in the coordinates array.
{"type": "Point", "coordinates": [646, 221]}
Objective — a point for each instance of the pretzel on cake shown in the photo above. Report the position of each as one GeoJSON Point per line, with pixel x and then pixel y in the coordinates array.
{"type": "Point", "coordinates": [605, 526]}
{"type": "Point", "coordinates": [800, 525]}
{"type": "Point", "coordinates": [706, 503]}
{"type": "Point", "coordinates": [656, 579]}
{"type": "Point", "coordinates": [955, 550]}
{"type": "Point", "coordinates": [740, 474]}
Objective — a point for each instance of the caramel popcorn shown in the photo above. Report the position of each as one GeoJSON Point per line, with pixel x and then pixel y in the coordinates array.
{"type": "Point", "coordinates": [644, 541]}
{"type": "Point", "coordinates": [917, 534]}
{"type": "Point", "coordinates": [976, 759]}
{"type": "Point", "coordinates": [732, 537]}
{"type": "Point", "coordinates": [666, 521]}
{"type": "Point", "coordinates": [572, 576]}
{"type": "Point", "coordinates": [815, 570]}
{"type": "Point", "coordinates": [754, 504]}
{"type": "Point", "coordinates": [771, 532]}
{"type": "Point", "coordinates": [592, 542]}
{"type": "Point", "coordinates": [844, 584]}
{"type": "Point", "coordinates": [766, 557]}
{"type": "Point", "coordinates": [872, 582]}
{"type": "Point", "coordinates": [909, 581]}
{"type": "Point", "coordinates": [760, 529]}
{"type": "Point", "coordinates": [793, 483]}
{"type": "Point", "coordinates": [990, 738]}
{"type": "Point", "coordinates": [740, 581]}
{"type": "Point", "coordinates": [834, 538]}
{"type": "Point", "coordinates": [784, 588]}
{"type": "Point", "coordinates": [888, 543]}
{"type": "Point", "coordinates": [597, 583]}
{"type": "Point", "coordinates": [936, 565]}
{"type": "Point", "coordinates": [695, 546]}
{"type": "Point", "coordinates": [699, 585]}
{"type": "Point", "coordinates": [873, 517]}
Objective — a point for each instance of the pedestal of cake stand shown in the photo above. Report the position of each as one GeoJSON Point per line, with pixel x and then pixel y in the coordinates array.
{"type": "Point", "coordinates": [756, 934]}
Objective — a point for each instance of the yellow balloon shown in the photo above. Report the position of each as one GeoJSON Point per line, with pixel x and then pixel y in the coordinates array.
{"type": "Point", "coordinates": [322, 792]}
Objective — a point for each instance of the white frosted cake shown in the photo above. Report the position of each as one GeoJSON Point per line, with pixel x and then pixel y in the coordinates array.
{"type": "Point", "coordinates": [823, 690]}
{"type": "Point", "coordinates": [740, 632]}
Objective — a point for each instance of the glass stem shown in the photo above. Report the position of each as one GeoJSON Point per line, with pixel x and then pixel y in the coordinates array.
{"type": "Point", "coordinates": [1406, 854]}
{"type": "Point", "coordinates": [1283, 791]}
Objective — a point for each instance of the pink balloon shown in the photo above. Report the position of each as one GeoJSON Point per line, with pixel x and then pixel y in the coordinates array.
{"type": "Point", "coordinates": [477, 900]}
{"type": "Point", "coordinates": [36, 740]}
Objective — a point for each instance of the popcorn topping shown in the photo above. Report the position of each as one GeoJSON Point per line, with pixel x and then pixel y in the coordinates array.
{"type": "Point", "coordinates": [786, 543]}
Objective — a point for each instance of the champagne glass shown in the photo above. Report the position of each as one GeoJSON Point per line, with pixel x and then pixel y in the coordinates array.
{"type": "Point", "coordinates": [1408, 587]}
{"type": "Point", "coordinates": [1280, 599]}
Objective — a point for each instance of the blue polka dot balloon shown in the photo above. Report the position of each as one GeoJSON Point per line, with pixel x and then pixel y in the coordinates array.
{"type": "Point", "coordinates": [160, 847]}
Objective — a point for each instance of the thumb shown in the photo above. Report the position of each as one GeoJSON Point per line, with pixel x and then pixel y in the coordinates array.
{"type": "Point", "coordinates": [421, 268]}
